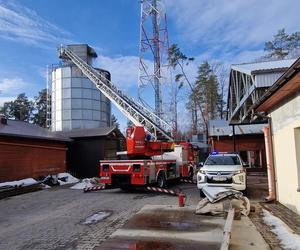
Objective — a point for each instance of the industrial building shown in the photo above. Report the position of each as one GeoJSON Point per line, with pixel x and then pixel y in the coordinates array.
{"type": "Point", "coordinates": [281, 104]}
{"type": "Point", "coordinates": [247, 83]}
{"type": "Point", "coordinates": [247, 140]}
{"type": "Point", "coordinates": [81, 112]}
{"type": "Point", "coordinates": [88, 146]}
{"type": "Point", "coordinates": [76, 103]}
{"type": "Point", "coordinates": [27, 150]}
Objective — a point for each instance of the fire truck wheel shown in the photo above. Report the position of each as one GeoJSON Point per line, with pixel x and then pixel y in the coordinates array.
{"type": "Point", "coordinates": [161, 180]}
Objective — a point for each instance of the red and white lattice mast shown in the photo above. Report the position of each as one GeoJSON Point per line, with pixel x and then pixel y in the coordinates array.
{"type": "Point", "coordinates": [153, 52]}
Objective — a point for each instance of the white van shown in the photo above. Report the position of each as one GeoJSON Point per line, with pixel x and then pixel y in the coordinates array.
{"type": "Point", "coordinates": [222, 170]}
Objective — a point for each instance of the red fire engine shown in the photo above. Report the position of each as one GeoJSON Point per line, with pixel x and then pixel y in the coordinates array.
{"type": "Point", "coordinates": [153, 156]}
{"type": "Point", "coordinates": [149, 162]}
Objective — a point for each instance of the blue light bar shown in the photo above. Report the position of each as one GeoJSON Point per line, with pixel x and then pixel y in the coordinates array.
{"type": "Point", "coordinates": [214, 153]}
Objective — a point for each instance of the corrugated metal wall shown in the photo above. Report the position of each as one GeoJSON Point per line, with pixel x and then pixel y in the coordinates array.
{"type": "Point", "coordinates": [266, 80]}
{"type": "Point", "coordinates": [76, 102]}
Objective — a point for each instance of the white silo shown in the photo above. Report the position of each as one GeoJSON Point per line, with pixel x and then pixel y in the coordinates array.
{"type": "Point", "coordinates": [75, 101]}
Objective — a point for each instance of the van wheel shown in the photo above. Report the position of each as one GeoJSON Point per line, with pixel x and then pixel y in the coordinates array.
{"type": "Point", "coordinates": [202, 195]}
{"type": "Point", "coordinates": [161, 180]}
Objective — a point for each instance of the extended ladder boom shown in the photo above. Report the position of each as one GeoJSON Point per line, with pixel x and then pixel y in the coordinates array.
{"type": "Point", "coordinates": [138, 114]}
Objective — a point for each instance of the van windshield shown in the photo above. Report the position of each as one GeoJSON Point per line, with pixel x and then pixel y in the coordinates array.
{"type": "Point", "coordinates": [222, 160]}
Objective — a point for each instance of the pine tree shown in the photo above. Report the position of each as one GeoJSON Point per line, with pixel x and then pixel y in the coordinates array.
{"type": "Point", "coordinates": [40, 108]}
{"type": "Point", "coordinates": [283, 45]}
{"type": "Point", "coordinates": [19, 109]}
{"type": "Point", "coordinates": [206, 89]}
{"type": "Point", "coordinates": [179, 60]}
{"type": "Point", "coordinates": [114, 121]}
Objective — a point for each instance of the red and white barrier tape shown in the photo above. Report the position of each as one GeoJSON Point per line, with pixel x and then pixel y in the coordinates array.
{"type": "Point", "coordinates": [95, 188]}
{"type": "Point", "coordinates": [162, 190]}
{"type": "Point", "coordinates": [188, 181]}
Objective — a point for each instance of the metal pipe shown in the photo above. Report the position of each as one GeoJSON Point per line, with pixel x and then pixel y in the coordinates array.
{"type": "Point", "coordinates": [270, 165]}
{"type": "Point", "coordinates": [233, 135]}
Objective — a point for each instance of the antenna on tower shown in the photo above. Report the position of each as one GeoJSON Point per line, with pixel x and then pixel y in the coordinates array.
{"type": "Point", "coordinates": [153, 47]}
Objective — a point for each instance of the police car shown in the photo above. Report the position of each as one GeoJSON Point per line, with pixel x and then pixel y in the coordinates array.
{"type": "Point", "coordinates": [222, 170]}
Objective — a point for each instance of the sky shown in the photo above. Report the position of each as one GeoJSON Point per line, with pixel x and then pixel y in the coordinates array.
{"type": "Point", "coordinates": [217, 30]}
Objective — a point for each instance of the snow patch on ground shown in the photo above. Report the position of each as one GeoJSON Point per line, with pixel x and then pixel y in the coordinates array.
{"type": "Point", "coordinates": [85, 183]}
{"type": "Point", "coordinates": [289, 239]}
{"type": "Point", "coordinates": [45, 186]}
{"type": "Point", "coordinates": [67, 177]}
{"type": "Point", "coordinates": [26, 181]}
{"type": "Point", "coordinates": [96, 217]}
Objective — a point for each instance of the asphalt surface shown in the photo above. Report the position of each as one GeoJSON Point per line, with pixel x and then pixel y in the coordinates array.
{"type": "Point", "coordinates": [56, 218]}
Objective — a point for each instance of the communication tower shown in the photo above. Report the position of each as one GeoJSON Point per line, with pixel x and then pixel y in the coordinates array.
{"type": "Point", "coordinates": [153, 52]}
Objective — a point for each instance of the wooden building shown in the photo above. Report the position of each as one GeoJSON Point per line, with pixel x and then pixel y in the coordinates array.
{"type": "Point", "coordinates": [88, 146]}
{"type": "Point", "coordinates": [27, 150]}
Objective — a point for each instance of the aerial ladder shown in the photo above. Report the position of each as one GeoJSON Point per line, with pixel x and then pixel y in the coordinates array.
{"type": "Point", "coordinates": [135, 112]}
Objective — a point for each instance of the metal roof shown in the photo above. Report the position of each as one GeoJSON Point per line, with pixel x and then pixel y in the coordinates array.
{"type": "Point", "coordinates": [93, 132]}
{"type": "Point", "coordinates": [282, 89]}
{"type": "Point", "coordinates": [257, 67]}
{"type": "Point", "coordinates": [222, 128]}
{"type": "Point", "coordinates": [27, 130]}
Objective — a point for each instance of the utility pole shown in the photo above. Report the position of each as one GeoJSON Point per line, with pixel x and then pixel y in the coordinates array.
{"type": "Point", "coordinates": [153, 48]}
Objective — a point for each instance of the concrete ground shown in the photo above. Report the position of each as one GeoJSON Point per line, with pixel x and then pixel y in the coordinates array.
{"type": "Point", "coordinates": [257, 191]}
{"type": "Point", "coordinates": [245, 236]}
{"type": "Point", "coordinates": [56, 218]}
{"type": "Point", "coordinates": [168, 227]}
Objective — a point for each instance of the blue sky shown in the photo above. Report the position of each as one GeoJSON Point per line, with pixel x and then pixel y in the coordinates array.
{"type": "Point", "coordinates": [228, 31]}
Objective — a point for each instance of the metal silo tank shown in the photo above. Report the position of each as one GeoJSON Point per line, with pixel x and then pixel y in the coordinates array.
{"type": "Point", "coordinates": [76, 102]}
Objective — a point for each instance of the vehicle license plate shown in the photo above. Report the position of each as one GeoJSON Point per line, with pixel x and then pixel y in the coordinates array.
{"type": "Point", "coordinates": [219, 178]}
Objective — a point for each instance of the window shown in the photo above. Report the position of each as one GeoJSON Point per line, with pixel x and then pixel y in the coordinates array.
{"type": "Point", "coordinates": [223, 160]}
{"type": "Point", "coordinates": [136, 167]}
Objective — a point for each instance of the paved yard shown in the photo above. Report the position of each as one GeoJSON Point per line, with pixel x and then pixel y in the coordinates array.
{"type": "Point", "coordinates": [56, 218]}
{"type": "Point", "coordinates": [53, 218]}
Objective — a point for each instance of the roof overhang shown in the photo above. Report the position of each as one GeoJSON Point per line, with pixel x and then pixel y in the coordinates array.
{"type": "Point", "coordinates": [32, 137]}
{"type": "Point", "coordinates": [284, 88]}
{"type": "Point", "coordinates": [91, 133]}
